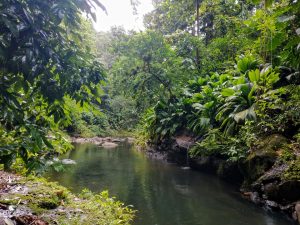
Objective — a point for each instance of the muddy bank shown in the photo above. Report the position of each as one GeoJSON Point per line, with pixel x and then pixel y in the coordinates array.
{"type": "Point", "coordinates": [263, 177]}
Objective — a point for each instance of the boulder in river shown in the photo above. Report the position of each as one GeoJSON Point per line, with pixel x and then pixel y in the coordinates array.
{"type": "Point", "coordinates": [109, 145]}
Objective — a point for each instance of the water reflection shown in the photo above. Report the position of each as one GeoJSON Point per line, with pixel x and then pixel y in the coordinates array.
{"type": "Point", "coordinates": [164, 194]}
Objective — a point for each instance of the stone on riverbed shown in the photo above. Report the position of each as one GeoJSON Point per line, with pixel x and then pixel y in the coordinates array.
{"type": "Point", "coordinates": [109, 145]}
{"type": "Point", "coordinates": [101, 140]}
{"type": "Point", "coordinates": [68, 162]}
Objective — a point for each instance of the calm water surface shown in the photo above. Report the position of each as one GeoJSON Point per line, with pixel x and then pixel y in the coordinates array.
{"type": "Point", "coordinates": [162, 193]}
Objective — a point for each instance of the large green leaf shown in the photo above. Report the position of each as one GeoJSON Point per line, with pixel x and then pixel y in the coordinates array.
{"type": "Point", "coordinates": [227, 92]}
{"type": "Point", "coordinates": [254, 76]}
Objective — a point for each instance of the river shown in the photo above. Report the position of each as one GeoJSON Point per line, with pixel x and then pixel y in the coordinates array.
{"type": "Point", "coordinates": [163, 193]}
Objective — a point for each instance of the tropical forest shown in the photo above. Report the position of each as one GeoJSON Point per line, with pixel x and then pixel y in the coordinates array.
{"type": "Point", "coordinates": [149, 112]}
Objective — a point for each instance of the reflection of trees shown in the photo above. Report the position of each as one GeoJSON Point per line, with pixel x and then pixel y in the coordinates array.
{"type": "Point", "coordinates": [162, 193]}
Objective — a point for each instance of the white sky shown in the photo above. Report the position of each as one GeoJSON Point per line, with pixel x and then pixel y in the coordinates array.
{"type": "Point", "coordinates": [120, 13]}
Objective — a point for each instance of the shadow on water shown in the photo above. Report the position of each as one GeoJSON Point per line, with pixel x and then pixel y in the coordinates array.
{"type": "Point", "coordinates": [162, 193]}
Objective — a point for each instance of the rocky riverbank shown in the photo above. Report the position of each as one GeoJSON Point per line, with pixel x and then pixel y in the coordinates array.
{"type": "Point", "coordinates": [269, 176]}
{"type": "Point", "coordinates": [106, 142]}
{"type": "Point", "coordinates": [35, 201]}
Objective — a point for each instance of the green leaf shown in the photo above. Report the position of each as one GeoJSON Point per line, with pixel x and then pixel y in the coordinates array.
{"type": "Point", "coordinates": [251, 93]}
{"type": "Point", "coordinates": [197, 106]}
{"type": "Point", "coordinates": [47, 143]}
{"type": "Point", "coordinates": [227, 92]}
{"type": "Point", "coordinates": [254, 75]}
{"type": "Point", "coordinates": [208, 105]}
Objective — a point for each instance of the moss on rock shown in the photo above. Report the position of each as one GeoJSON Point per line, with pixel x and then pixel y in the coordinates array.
{"type": "Point", "coordinates": [293, 170]}
{"type": "Point", "coordinates": [57, 205]}
{"type": "Point", "coordinates": [263, 156]}
{"type": "Point", "coordinates": [269, 145]}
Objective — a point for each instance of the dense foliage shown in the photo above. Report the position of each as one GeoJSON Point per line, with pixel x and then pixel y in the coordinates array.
{"type": "Point", "coordinates": [225, 72]}
{"type": "Point", "coordinates": [43, 59]}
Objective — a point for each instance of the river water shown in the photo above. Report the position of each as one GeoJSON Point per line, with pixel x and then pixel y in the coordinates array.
{"type": "Point", "coordinates": [163, 194]}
